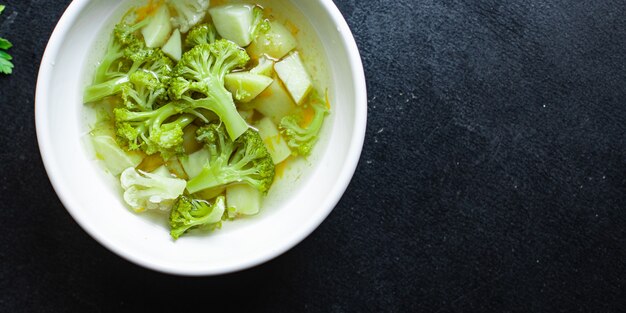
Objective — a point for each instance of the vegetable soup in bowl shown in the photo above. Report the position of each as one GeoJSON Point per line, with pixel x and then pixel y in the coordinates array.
{"type": "Point", "coordinates": [200, 137]}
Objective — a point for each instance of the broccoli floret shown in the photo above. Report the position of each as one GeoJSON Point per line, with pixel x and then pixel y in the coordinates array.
{"type": "Point", "coordinates": [135, 57]}
{"type": "Point", "coordinates": [150, 132]}
{"type": "Point", "coordinates": [202, 34]}
{"type": "Point", "coordinates": [260, 24]}
{"type": "Point", "coordinates": [189, 13]}
{"type": "Point", "coordinates": [122, 42]}
{"type": "Point", "coordinates": [246, 160]}
{"type": "Point", "coordinates": [169, 138]}
{"type": "Point", "coordinates": [190, 213]}
{"type": "Point", "coordinates": [159, 64]}
{"type": "Point", "coordinates": [126, 33]}
{"type": "Point", "coordinates": [144, 91]}
{"type": "Point", "coordinates": [114, 54]}
{"type": "Point", "coordinates": [150, 191]}
{"type": "Point", "coordinates": [199, 81]}
{"type": "Point", "coordinates": [301, 139]}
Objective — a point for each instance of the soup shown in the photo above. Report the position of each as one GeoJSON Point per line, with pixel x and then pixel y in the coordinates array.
{"type": "Point", "coordinates": [201, 107]}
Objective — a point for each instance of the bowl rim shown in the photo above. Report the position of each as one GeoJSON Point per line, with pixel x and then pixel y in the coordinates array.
{"type": "Point", "coordinates": [69, 17]}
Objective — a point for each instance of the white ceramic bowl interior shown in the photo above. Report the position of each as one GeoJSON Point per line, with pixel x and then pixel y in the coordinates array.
{"type": "Point", "coordinates": [295, 207]}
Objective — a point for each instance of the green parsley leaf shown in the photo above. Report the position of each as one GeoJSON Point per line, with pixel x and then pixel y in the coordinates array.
{"type": "Point", "coordinates": [6, 67]}
{"type": "Point", "coordinates": [5, 44]}
{"type": "Point", "coordinates": [5, 55]}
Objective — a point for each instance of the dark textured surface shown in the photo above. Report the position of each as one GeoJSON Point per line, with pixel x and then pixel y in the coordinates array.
{"type": "Point", "coordinates": [492, 178]}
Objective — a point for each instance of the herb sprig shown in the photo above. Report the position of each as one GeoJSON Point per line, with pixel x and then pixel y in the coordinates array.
{"type": "Point", "coordinates": [6, 67]}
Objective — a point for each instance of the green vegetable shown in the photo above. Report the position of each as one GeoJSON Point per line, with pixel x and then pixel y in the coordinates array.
{"type": "Point", "coordinates": [194, 163]}
{"type": "Point", "coordinates": [275, 102]}
{"type": "Point", "coordinates": [149, 190]}
{"type": "Point", "coordinates": [301, 139]}
{"type": "Point", "coordinates": [247, 115]}
{"type": "Point", "coordinates": [114, 158]}
{"type": "Point", "coordinates": [189, 13]}
{"type": "Point", "coordinates": [243, 199]}
{"type": "Point", "coordinates": [244, 160]}
{"type": "Point", "coordinates": [6, 66]}
{"type": "Point", "coordinates": [174, 166]}
{"type": "Point", "coordinates": [103, 126]}
{"type": "Point", "coordinates": [189, 213]}
{"type": "Point", "coordinates": [173, 47]}
{"type": "Point", "coordinates": [274, 142]}
{"type": "Point", "coordinates": [240, 23]}
{"type": "Point", "coordinates": [246, 86]}
{"type": "Point", "coordinates": [143, 91]}
{"type": "Point", "coordinates": [202, 34]}
{"type": "Point", "coordinates": [152, 61]}
{"type": "Point", "coordinates": [276, 42]}
{"type": "Point", "coordinates": [294, 75]}
{"type": "Point", "coordinates": [126, 55]}
{"type": "Point", "coordinates": [265, 67]}
{"type": "Point", "coordinates": [150, 132]}
{"type": "Point", "coordinates": [123, 44]}
{"type": "Point", "coordinates": [158, 29]}
{"type": "Point", "coordinates": [199, 82]}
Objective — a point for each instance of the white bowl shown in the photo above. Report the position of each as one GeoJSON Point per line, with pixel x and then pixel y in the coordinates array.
{"type": "Point", "coordinates": [93, 201]}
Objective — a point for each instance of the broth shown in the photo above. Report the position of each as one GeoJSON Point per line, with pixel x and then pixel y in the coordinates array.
{"type": "Point", "coordinates": [294, 169]}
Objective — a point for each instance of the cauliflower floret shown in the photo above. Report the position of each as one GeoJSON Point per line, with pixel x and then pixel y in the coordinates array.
{"type": "Point", "coordinates": [189, 13]}
{"type": "Point", "coordinates": [151, 191]}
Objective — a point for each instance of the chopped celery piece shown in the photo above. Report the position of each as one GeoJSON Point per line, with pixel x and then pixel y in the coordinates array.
{"type": "Point", "coordinates": [158, 30]}
{"type": "Point", "coordinates": [275, 144]}
{"type": "Point", "coordinates": [246, 86]}
{"type": "Point", "coordinates": [176, 168]}
{"type": "Point", "coordinates": [275, 102]}
{"type": "Point", "coordinates": [245, 200]}
{"type": "Point", "coordinates": [210, 193]}
{"type": "Point", "coordinates": [294, 75]}
{"type": "Point", "coordinates": [276, 42]}
{"type": "Point", "coordinates": [103, 129]}
{"type": "Point", "coordinates": [190, 144]}
{"type": "Point", "coordinates": [265, 67]}
{"type": "Point", "coordinates": [234, 22]}
{"type": "Point", "coordinates": [151, 163]}
{"type": "Point", "coordinates": [195, 162]}
{"type": "Point", "coordinates": [173, 48]}
{"type": "Point", "coordinates": [115, 159]}
{"type": "Point", "coordinates": [247, 115]}
{"type": "Point", "coordinates": [162, 171]}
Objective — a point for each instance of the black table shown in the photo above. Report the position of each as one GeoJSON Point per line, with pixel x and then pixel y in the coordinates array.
{"type": "Point", "coordinates": [493, 176]}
